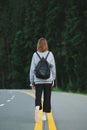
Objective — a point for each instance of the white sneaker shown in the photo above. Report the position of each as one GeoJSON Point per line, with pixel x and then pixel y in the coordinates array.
{"type": "Point", "coordinates": [44, 117]}
{"type": "Point", "coordinates": [37, 116]}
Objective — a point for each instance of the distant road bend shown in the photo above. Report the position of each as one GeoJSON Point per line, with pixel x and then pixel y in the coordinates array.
{"type": "Point", "coordinates": [69, 111]}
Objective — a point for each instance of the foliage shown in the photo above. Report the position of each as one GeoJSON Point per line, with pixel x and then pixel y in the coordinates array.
{"type": "Point", "coordinates": [62, 23]}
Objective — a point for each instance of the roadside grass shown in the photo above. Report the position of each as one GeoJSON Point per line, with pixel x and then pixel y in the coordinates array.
{"type": "Point", "coordinates": [57, 89]}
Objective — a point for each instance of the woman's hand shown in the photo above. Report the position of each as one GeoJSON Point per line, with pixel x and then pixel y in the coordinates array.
{"type": "Point", "coordinates": [33, 86]}
{"type": "Point", "coordinates": [53, 83]}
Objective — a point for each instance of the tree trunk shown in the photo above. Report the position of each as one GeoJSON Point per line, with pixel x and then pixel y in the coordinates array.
{"type": "Point", "coordinates": [3, 80]}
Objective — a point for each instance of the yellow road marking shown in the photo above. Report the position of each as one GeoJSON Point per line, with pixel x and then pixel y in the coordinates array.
{"type": "Point", "coordinates": [51, 123]}
{"type": "Point", "coordinates": [39, 125]}
{"type": "Point", "coordinates": [28, 93]}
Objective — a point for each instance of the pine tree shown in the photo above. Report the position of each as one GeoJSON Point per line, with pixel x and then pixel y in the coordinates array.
{"type": "Point", "coordinates": [73, 39]}
{"type": "Point", "coordinates": [17, 76]}
{"type": "Point", "coordinates": [2, 64]}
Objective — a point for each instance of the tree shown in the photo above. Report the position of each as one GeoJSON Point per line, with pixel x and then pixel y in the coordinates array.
{"type": "Point", "coordinates": [73, 39]}
{"type": "Point", "coordinates": [2, 64]}
{"type": "Point", "coordinates": [17, 76]}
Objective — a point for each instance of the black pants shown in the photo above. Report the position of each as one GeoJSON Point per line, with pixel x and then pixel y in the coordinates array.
{"type": "Point", "coordinates": [46, 90]}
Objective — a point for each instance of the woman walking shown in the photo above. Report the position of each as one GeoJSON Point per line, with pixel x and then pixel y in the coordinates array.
{"type": "Point", "coordinates": [39, 84]}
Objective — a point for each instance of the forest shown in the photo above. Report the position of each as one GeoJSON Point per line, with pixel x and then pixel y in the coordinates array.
{"type": "Point", "coordinates": [62, 23]}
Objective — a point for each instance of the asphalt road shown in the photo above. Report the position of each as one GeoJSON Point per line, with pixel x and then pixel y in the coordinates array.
{"type": "Point", "coordinates": [17, 111]}
{"type": "Point", "coordinates": [70, 111]}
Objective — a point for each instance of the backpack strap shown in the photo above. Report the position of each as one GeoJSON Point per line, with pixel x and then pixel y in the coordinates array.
{"type": "Point", "coordinates": [38, 55]}
{"type": "Point", "coordinates": [45, 57]}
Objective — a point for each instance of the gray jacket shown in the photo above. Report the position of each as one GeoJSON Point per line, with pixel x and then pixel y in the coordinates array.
{"type": "Point", "coordinates": [34, 62]}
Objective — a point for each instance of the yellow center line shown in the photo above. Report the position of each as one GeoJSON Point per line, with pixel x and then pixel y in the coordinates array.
{"type": "Point", "coordinates": [28, 93]}
{"type": "Point", "coordinates": [39, 125]}
{"type": "Point", "coordinates": [51, 123]}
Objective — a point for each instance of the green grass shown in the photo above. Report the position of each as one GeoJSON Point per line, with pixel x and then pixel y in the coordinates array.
{"type": "Point", "coordinates": [56, 89]}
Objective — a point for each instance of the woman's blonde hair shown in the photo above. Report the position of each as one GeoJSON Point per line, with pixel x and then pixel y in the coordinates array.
{"type": "Point", "coordinates": [42, 45]}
